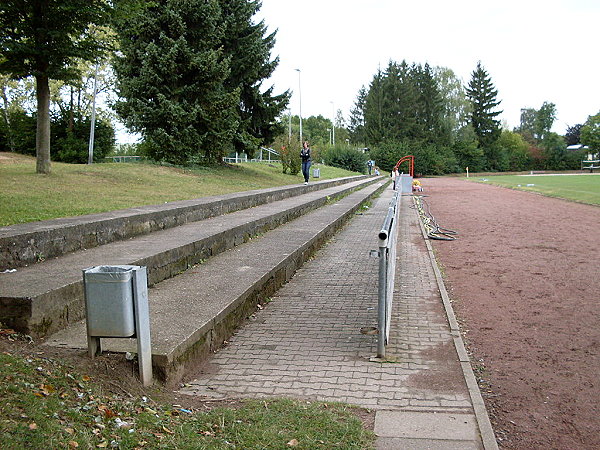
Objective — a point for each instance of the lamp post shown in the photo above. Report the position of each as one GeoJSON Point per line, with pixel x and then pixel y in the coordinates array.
{"type": "Point", "coordinates": [93, 119]}
{"type": "Point", "coordinates": [329, 133]}
{"type": "Point", "coordinates": [300, 97]}
{"type": "Point", "coordinates": [332, 121]}
{"type": "Point", "coordinates": [289, 126]}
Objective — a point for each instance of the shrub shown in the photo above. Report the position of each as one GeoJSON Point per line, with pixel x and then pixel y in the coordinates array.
{"type": "Point", "coordinates": [70, 146]}
{"type": "Point", "coordinates": [345, 157]}
{"type": "Point", "coordinates": [290, 159]}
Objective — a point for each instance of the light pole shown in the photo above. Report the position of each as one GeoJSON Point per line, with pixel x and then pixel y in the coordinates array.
{"type": "Point", "coordinates": [290, 126]}
{"type": "Point", "coordinates": [93, 119]}
{"type": "Point", "coordinates": [300, 97]}
{"type": "Point", "coordinates": [333, 121]}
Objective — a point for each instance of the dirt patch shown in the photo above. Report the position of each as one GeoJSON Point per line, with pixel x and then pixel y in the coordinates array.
{"type": "Point", "coordinates": [523, 276]}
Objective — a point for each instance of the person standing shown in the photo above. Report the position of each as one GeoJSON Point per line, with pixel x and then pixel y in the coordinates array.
{"type": "Point", "coordinates": [305, 156]}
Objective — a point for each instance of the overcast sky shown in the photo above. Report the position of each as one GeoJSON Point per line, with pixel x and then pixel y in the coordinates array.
{"type": "Point", "coordinates": [534, 51]}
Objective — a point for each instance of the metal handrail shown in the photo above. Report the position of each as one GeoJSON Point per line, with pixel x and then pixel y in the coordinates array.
{"type": "Point", "coordinates": [387, 269]}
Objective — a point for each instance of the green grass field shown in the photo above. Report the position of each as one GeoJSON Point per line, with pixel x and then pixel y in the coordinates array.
{"type": "Point", "coordinates": [583, 188]}
{"type": "Point", "coordinates": [77, 189]}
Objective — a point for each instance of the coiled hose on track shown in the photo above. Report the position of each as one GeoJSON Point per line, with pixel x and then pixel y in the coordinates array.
{"type": "Point", "coordinates": [434, 231]}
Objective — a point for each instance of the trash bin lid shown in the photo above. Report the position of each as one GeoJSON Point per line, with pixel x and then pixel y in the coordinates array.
{"type": "Point", "coordinates": [108, 274]}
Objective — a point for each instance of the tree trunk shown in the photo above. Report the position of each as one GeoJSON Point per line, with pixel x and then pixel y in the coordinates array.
{"type": "Point", "coordinates": [42, 137]}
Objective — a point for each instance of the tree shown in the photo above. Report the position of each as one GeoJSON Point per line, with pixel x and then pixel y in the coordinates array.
{"type": "Point", "coordinates": [516, 149]}
{"type": "Point", "coordinates": [14, 95]}
{"type": "Point", "coordinates": [43, 39]}
{"type": "Point", "coordinates": [544, 119]}
{"type": "Point", "coordinates": [573, 134]}
{"type": "Point", "coordinates": [341, 131]}
{"type": "Point", "coordinates": [249, 51]}
{"type": "Point", "coordinates": [356, 124]}
{"type": "Point", "coordinates": [482, 94]}
{"type": "Point", "coordinates": [190, 75]}
{"type": "Point", "coordinates": [171, 75]}
{"type": "Point", "coordinates": [401, 103]}
{"type": "Point", "coordinates": [456, 108]}
{"type": "Point", "coordinates": [373, 113]}
{"type": "Point", "coordinates": [429, 106]}
{"type": "Point", "coordinates": [590, 133]}
{"type": "Point", "coordinates": [315, 130]}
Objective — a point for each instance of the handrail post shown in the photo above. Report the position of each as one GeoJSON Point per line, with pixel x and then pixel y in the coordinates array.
{"type": "Point", "coordinates": [381, 306]}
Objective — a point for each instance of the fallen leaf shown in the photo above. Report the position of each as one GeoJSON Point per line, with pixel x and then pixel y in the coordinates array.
{"type": "Point", "coordinates": [166, 430]}
{"type": "Point", "coordinates": [70, 430]}
{"type": "Point", "coordinates": [293, 443]}
{"type": "Point", "coordinates": [33, 426]}
{"type": "Point", "coordinates": [102, 444]}
{"type": "Point", "coordinates": [73, 444]}
{"type": "Point", "coordinates": [47, 389]}
{"type": "Point", "coordinates": [86, 378]}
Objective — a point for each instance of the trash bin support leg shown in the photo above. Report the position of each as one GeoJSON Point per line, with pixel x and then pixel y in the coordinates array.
{"type": "Point", "coordinates": [142, 324]}
{"type": "Point", "coordinates": [94, 346]}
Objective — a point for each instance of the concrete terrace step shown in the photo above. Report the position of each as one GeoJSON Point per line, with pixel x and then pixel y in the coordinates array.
{"type": "Point", "coordinates": [47, 296]}
{"type": "Point", "coordinates": [25, 244]}
{"type": "Point", "coordinates": [193, 313]}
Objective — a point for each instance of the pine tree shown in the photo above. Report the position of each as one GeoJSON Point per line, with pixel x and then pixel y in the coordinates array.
{"type": "Point", "coordinates": [43, 39]}
{"type": "Point", "coordinates": [429, 106]}
{"type": "Point", "coordinates": [357, 118]}
{"type": "Point", "coordinates": [249, 50]}
{"type": "Point", "coordinates": [482, 94]}
{"type": "Point", "coordinates": [374, 129]}
{"type": "Point", "coordinates": [171, 74]}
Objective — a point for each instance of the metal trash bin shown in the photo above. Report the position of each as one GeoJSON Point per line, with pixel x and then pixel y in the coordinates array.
{"type": "Point", "coordinates": [109, 301]}
{"type": "Point", "coordinates": [316, 173]}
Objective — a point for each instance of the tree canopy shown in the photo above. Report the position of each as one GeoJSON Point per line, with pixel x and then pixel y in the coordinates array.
{"type": "Point", "coordinates": [590, 133]}
{"type": "Point", "coordinates": [483, 96]}
{"type": "Point", "coordinates": [189, 75]}
{"type": "Point", "coordinates": [44, 39]}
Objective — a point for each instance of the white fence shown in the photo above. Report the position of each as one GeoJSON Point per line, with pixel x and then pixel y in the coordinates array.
{"type": "Point", "coordinates": [267, 155]}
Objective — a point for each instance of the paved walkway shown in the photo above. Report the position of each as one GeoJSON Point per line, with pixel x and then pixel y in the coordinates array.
{"type": "Point", "coordinates": [307, 343]}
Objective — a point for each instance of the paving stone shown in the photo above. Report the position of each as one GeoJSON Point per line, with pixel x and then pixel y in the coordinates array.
{"type": "Point", "coordinates": [314, 322]}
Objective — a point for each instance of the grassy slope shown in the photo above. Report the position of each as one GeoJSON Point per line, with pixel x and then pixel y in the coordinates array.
{"type": "Point", "coordinates": [46, 404]}
{"type": "Point", "coordinates": [579, 188]}
{"type": "Point", "coordinates": [73, 190]}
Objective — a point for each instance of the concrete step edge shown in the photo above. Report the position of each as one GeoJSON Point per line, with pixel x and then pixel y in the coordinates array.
{"type": "Point", "coordinates": [51, 310]}
{"type": "Point", "coordinates": [28, 243]}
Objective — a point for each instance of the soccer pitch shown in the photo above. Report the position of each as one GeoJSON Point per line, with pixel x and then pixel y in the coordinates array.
{"type": "Point", "coordinates": [584, 188]}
